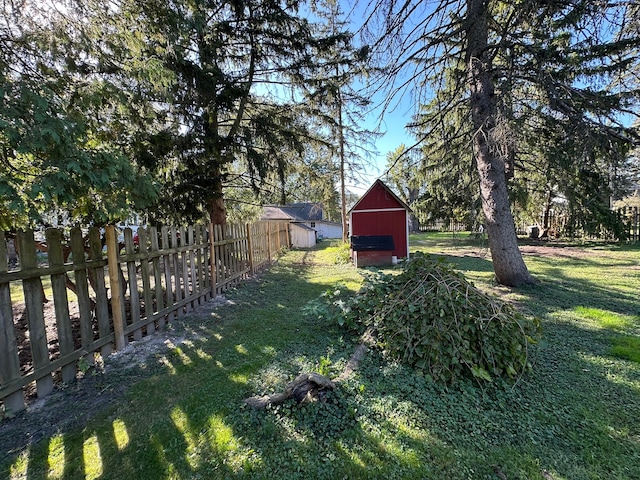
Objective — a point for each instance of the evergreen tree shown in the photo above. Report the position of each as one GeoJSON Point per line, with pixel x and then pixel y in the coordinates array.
{"type": "Point", "coordinates": [54, 154]}
{"type": "Point", "coordinates": [194, 91]}
{"type": "Point", "coordinates": [565, 61]}
{"type": "Point", "coordinates": [338, 107]}
{"type": "Point", "coordinates": [446, 164]}
{"type": "Point", "coordinates": [237, 68]}
{"type": "Point", "coordinates": [405, 177]}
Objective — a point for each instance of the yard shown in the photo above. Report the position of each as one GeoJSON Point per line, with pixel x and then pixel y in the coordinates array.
{"type": "Point", "coordinates": [172, 406]}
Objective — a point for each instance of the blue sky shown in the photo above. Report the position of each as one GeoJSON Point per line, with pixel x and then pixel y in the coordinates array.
{"type": "Point", "coordinates": [392, 126]}
{"type": "Point", "coordinates": [392, 121]}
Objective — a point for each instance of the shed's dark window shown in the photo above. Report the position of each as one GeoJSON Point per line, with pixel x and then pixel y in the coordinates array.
{"type": "Point", "coordinates": [361, 243]}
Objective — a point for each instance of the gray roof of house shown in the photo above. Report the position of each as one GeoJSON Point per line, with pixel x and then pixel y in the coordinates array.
{"type": "Point", "coordinates": [296, 212]}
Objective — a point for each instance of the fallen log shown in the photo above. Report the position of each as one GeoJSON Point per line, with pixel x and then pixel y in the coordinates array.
{"type": "Point", "coordinates": [307, 387]}
{"type": "Point", "coordinates": [311, 387]}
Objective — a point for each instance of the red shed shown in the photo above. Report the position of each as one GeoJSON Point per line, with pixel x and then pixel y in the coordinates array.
{"type": "Point", "coordinates": [381, 213]}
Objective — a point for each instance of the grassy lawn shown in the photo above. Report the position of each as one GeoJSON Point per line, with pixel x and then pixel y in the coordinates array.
{"type": "Point", "coordinates": [577, 416]}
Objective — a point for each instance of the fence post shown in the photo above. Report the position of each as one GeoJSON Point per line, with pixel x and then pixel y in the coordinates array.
{"type": "Point", "coordinates": [116, 291]}
{"type": "Point", "coordinates": [9, 361]}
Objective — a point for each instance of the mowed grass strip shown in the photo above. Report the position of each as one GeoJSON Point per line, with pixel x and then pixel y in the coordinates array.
{"type": "Point", "coordinates": [576, 416]}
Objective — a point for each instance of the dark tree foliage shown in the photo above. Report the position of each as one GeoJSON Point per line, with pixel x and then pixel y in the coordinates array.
{"type": "Point", "coordinates": [235, 68]}
{"type": "Point", "coordinates": [404, 178]}
{"type": "Point", "coordinates": [201, 95]}
{"type": "Point", "coordinates": [54, 155]}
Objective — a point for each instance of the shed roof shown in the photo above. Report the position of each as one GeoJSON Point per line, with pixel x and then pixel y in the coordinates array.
{"type": "Point", "coordinates": [378, 187]}
{"type": "Point", "coordinates": [302, 226]}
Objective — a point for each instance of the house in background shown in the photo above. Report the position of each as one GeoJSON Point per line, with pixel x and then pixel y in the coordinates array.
{"type": "Point", "coordinates": [306, 220]}
{"type": "Point", "coordinates": [379, 227]}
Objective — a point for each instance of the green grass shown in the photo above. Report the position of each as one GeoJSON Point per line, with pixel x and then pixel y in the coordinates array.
{"type": "Point", "coordinates": [17, 294]}
{"type": "Point", "coordinates": [607, 319]}
{"type": "Point", "coordinates": [336, 253]}
{"type": "Point", "coordinates": [575, 417]}
{"type": "Point", "coordinates": [626, 347]}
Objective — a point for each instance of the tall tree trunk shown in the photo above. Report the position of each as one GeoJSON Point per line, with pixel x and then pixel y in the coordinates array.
{"type": "Point", "coordinates": [508, 264]}
{"type": "Point", "coordinates": [343, 186]}
{"type": "Point", "coordinates": [217, 209]}
{"type": "Point", "coordinates": [547, 210]}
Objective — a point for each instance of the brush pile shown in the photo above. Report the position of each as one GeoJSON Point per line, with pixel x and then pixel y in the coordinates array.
{"type": "Point", "coordinates": [432, 318]}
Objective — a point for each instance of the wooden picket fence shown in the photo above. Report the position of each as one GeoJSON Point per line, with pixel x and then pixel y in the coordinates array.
{"type": "Point", "coordinates": [106, 292]}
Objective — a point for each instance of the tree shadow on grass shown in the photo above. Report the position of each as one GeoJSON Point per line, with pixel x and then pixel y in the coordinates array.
{"type": "Point", "coordinates": [575, 415]}
{"type": "Point", "coordinates": [175, 423]}
{"type": "Point", "coordinates": [557, 292]}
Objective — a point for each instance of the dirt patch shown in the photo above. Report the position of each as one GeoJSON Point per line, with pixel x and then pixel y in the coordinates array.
{"type": "Point", "coordinates": [104, 384]}
{"type": "Point", "coordinates": [21, 328]}
{"type": "Point", "coordinates": [561, 252]}
{"type": "Point", "coordinates": [555, 250]}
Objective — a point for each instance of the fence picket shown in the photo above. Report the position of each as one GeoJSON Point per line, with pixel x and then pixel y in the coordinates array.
{"type": "Point", "coordinates": [177, 268]}
{"type": "Point", "coordinates": [9, 361]}
{"type": "Point", "coordinates": [169, 286]}
{"type": "Point", "coordinates": [34, 300]}
{"type": "Point", "coordinates": [184, 263]}
{"type": "Point", "coordinates": [220, 274]}
{"type": "Point", "coordinates": [175, 272]}
{"type": "Point", "coordinates": [228, 258]}
{"type": "Point", "coordinates": [117, 304]}
{"type": "Point", "coordinates": [97, 276]}
{"type": "Point", "coordinates": [192, 267]}
{"type": "Point", "coordinates": [233, 256]}
{"type": "Point", "coordinates": [199, 263]}
{"type": "Point", "coordinates": [269, 241]}
{"type": "Point", "coordinates": [60, 301]}
{"type": "Point", "coordinates": [157, 275]}
{"type": "Point", "coordinates": [212, 261]}
{"type": "Point", "coordinates": [132, 277]}
{"type": "Point", "coordinates": [146, 280]}
{"type": "Point", "coordinates": [240, 247]}
{"type": "Point", "coordinates": [249, 249]}
{"type": "Point", "coordinates": [82, 289]}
